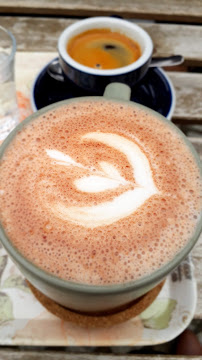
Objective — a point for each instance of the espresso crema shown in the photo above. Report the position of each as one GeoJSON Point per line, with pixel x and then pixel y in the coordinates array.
{"type": "Point", "coordinates": [99, 192]}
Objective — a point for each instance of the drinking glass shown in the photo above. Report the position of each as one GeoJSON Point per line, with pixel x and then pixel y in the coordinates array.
{"type": "Point", "coordinates": [9, 115]}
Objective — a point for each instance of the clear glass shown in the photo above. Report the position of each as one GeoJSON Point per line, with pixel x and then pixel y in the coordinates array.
{"type": "Point", "coordinates": [9, 113]}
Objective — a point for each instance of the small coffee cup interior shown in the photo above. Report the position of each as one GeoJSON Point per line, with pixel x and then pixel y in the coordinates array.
{"type": "Point", "coordinates": [125, 27]}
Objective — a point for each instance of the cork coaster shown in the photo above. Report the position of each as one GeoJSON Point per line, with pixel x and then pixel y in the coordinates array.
{"type": "Point", "coordinates": [88, 320]}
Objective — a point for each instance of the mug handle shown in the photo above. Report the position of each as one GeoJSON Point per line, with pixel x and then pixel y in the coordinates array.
{"type": "Point", "coordinates": [55, 71]}
{"type": "Point", "coordinates": [117, 91]}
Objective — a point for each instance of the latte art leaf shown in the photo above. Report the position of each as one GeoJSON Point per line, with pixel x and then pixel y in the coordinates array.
{"type": "Point", "coordinates": [111, 171]}
{"type": "Point", "coordinates": [97, 183]}
{"type": "Point", "coordinates": [63, 159]}
{"type": "Point", "coordinates": [108, 178]}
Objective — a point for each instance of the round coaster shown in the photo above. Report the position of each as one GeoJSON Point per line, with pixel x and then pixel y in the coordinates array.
{"type": "Point", "coordinates": [87, 320]}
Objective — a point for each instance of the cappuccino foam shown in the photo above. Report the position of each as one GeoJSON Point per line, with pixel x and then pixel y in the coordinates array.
{"type": "Point", "coordinates": [99, 193]}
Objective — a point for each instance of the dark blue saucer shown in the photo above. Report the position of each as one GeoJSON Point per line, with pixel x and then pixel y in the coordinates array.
{"type": "Point", "coordinates": [154, 91]}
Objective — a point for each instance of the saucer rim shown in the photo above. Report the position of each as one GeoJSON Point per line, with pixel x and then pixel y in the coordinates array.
{"type": "Point", "coordinates": [171, 87]}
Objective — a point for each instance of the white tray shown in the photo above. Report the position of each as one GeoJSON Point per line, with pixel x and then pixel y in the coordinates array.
{"type": "Point", "coordinates": [24, 321]}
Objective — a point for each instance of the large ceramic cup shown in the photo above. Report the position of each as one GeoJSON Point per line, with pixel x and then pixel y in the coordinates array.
{"type": "Point", "coordinates": [89, 298]}
{"type": "Point", "coordinates": [97, 79]}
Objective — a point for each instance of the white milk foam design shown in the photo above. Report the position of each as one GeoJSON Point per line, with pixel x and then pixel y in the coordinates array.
{"type": "Point", "coordinates": [121, 206]}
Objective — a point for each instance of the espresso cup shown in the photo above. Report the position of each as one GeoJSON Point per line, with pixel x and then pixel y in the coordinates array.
{"type": "Point", "coordinates": [79, 296]}
{"type": "Point", "coordinates": [93, 79]}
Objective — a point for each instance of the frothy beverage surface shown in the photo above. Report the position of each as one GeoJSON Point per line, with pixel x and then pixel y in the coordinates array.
{"type": "Point", "coordinates": [99, 193]}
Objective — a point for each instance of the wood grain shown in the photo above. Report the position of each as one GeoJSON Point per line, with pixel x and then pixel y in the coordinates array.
{"type": "Point", "coordinates": [172, 10]}
{"type": "Point", "coordinates": [197, 250]}
{"type": "Point", "coordinates": [197, 143]}
{"type": "Point", "coordinates": [41, 34]}
{"type": "Point", "coordinates": [64, 355]}
{"type": "Point", "coordinates": [197, 261]}
{"type": "Point", "coordinates": [188, 89]}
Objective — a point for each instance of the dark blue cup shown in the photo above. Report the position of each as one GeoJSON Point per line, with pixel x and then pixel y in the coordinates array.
{"type": "Point", "coordinates": [96, 79]}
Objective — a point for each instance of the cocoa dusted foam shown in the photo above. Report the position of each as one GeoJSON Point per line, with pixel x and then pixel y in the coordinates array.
{"type": "Point", "coordinates": [99, 193]}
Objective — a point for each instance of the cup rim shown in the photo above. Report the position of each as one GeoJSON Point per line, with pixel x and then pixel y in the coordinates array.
{"type": "Point", "coordinates": [68, 33]}
{"type": "Point", "coordinates": [10, 57]}
{"type": "Point", "coordinates": [59, 283]}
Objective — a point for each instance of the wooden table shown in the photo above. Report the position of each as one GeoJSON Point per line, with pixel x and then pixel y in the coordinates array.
{"type": "Point", "coordinates": [175, 27]}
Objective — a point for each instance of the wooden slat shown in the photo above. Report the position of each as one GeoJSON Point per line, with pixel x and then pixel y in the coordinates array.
{"type": "Point", "coordinates": [64, 355]}
{"type": "Point", "coordinates": [197, 143]}
{"type": "Point", "coordinates": [197, 250]}
{"type": "Point", "coordinates": [172, 10]}
{"type": "Point", "coordinates": [197, 261]}
{"type": "Point", "coordinates": [41, 34]}
{"type": "Point", "coordinates": [188, 88]}
{"type": "Point", "coordinates": [177, 39]}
